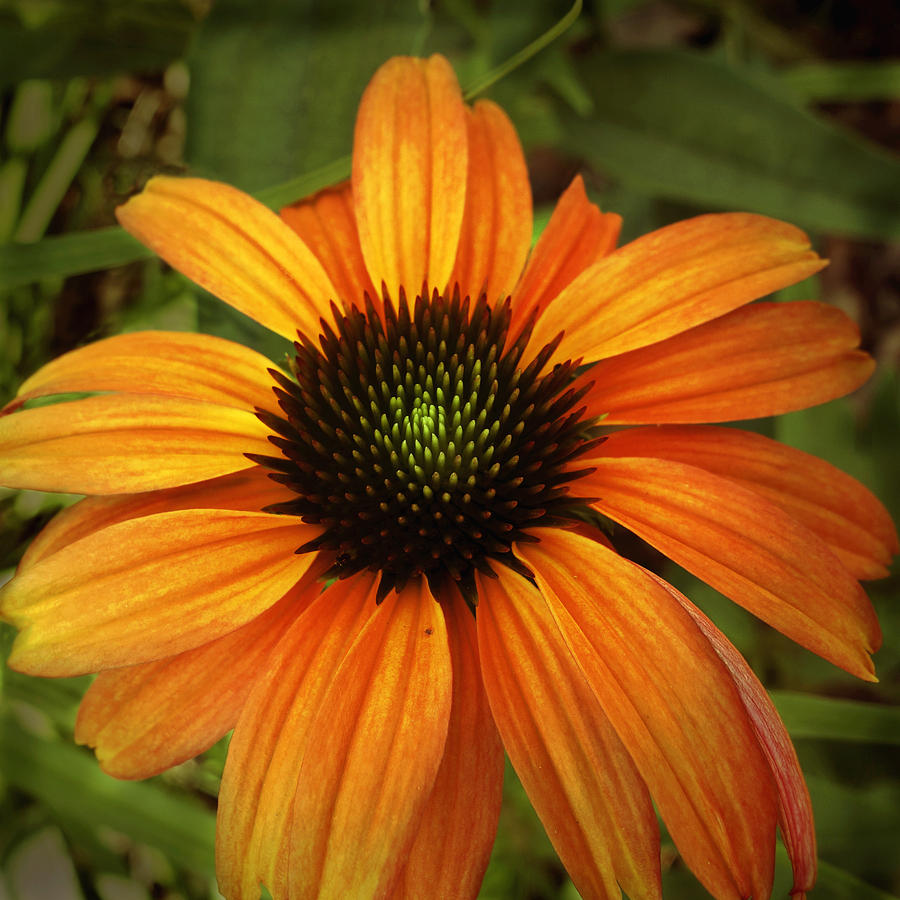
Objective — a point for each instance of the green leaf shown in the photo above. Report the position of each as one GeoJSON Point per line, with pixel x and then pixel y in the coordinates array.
{"type": "Point", "coordinates": [91, 37]}
{"type": "Point", "coordinates": [69, 254]}
{"type": "Point", "coordinates": [824, 718]}
{"type": "Point", "coordinates": [844, 82]}
{"type": "Point", "coordinates": [275, 84]}
{"type": "Point", "coordinates": [691, 128]}
{"type": "Point", "coordinates": [68, 781]}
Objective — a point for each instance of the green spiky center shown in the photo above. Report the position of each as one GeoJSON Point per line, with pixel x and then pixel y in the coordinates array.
{"type": "Point", "coordinates": [420, 445]}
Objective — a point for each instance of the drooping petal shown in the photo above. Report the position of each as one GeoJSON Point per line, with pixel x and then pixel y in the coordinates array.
{"type": "Point", "coordinates": [177, 364]}
{"type": "Point", "coordinates": [146, 718]}
{"type": "Point", "coordinates": [496, 229]}
{"type": "Point", "coordinates": [118, 443]}
{"type": "Point", "coordinates": [795, 815]}
{"type": "Point", "coordinates": [327, 224]}
{"type": "Point", "coordinates": [764, 360]}
{"type": "Point", "coordinates": [272, 735]}
{"type": "Point", "coordinates": [577, 236]}
{"type": "Point", "coordinates": [744, 546]}
{"type": "Point", "coordinates": [374, 750]}
{"type": "Point", "coordinates": [831, 504]}
{"type": "Point", "coordinates": [409, 173]}
{"type": "Point", "coordinates": [672, 703]}
{"type": "Point", "coordinates": [579, 777]}
{"type": "Point", "coordinates": [250, 490]}
{"type": "Point", "coordinates": [151, 587]}
{"type": "Point", "coordinates": [673, 279]}
{"type": "Point", "coordinates": [235, 247]}
{"type": "Point", "coordinates": [453, 841]}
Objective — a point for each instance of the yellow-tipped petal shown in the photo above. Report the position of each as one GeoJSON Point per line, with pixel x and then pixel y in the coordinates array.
{"type": "Point", "coordinates": [577, 236]}
{"type": "Point", "coordinates": [496, 229]}
{"type": "Point", "coordinates": [150, 587]}
{"type": "Point", "coordinates": [168, 363]}
{"type": "Point", "coordinates": [831, 504]}
{"type": "Point", "coordinates": [119, 443]}
{"type": "Point", "coordinates": [673, 279]}
{"type": "Point", "coordinates": [672, 703]}
{"type": "Point", "coordinates": [327, 224]}
{"type": "Point", "coordinates": [375, 747]}
{"type": "Point", "coordinates": [745, 547]}
{"type": "Point", "coordinates": [235, 247]}
{"type": "Point", "coordinates": [579, 777]}
{"type": "Point", "coordinates": [146, 718]}
{"type": "Point", "coordinates": [272, 735]}
{"type": "Point", "coordinates": [250, 490]}
{"type": "Point", "coordinates": [409, 173]}
{"type": "Point", "coordinates": [454, 839]}
{"type": "Point", "coordinates": [763, 360]}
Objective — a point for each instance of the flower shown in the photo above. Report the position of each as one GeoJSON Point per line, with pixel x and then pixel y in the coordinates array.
{"type": "Point", "coordinates": [438, 451]}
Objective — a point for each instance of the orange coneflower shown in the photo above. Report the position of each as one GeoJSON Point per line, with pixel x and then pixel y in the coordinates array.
{"type": "Point", "coordinates": [438, 452]}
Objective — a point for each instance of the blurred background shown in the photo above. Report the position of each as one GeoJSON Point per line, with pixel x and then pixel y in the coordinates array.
{"type": "Point", "coordinates": [668, 107]}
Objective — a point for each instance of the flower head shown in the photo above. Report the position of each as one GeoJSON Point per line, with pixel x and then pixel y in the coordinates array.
{"type": "Point", "coordinates": [457, 417]}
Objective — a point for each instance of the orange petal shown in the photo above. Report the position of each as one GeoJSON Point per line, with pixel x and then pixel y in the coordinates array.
{"type": "Point", "coordinates": [144, 719]}
{"type": "Point", "coordinates": [272, 735]}
{"type": "Point", "coordinates": [327, 224]}
{"type": "Point", "coordinates": [409, 173]}
{"type": "Point", "coordinates": [577, 236]}
{"type": "Point", "coordinates": [673, 704]}
{"type": "Point", "coordinates": [831, 504]}
{"type": "Point", "coordinates": [496, 229]}
{"type": "Point", "coordinates": [235, 247]}
{"type": "Point", "coordinates": [151, 587]}
{"type": "Point", "coordinates": [453, 841]}
{"type": "Point", "coordinates": [673, 279]}
{"type": "Point", "coordinates": [764, 360]}
{"type": "Point", "coordinates": [580, 779]}
{"type": "Point", "coordinates": [117, 443]}
{"type": "Point", "coordinates": [177, 364]}
{"type": "Point", "coordinates": [795, 815]}
{"type": "Point", "coordinates": [250, 490]}
{"type": "Point", "coordinates": [374, 751]}
{"type": "Point", "coordinates": [747, 548]}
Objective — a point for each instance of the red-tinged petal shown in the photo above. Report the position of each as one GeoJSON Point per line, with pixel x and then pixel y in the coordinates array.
{"type": "Point", "coordinates": [453, 841]}
{"type": "Point", "coordinates": [251, 490]}
{"type": "Point", "coordinates": [579, 777]}
{"type": "Point", "coordinates": [747, 548]}
{"type": "Point", "coordinates": [764, 360]}
{"type": "Point", "coordinates": [409, 173]}
{"type": "Point", "coordinates": [271, 738]}
{"type": "Point", "coordinates": [577, 236]}
{"type": "Point", "coordinates": [795, 815]}
{"type": "Point", "coordinates": [327, 224]}
{"type": "Point", "coordinates": [672, 703]}
{"type": "Point", "coordinates": [235, 247]}
{"type": "Point", "coordinates": [118, 443]}
{"type": "Point", "coordinates": [144, 719]}
{"type": "Point", "coordinates": [177, 364]}
{"type": "Point", "coordinates": [374, 750]}
{"type": "Point", "coordinates": [673, 279]}
{"type": "Point", "coordinates": [831, 504]}
{"type": "Point", "coordinates": [496, 229]}
{"type": "Point", "coordinates": [151, 587]}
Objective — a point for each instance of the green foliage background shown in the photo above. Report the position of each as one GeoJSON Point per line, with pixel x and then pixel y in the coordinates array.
{"type": "Point", "coordinates": [669, 108]}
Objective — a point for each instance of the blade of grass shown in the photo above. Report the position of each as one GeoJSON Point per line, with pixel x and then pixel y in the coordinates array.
{"type": "Point", "coordinates": [68, 781]}
{"type": "Point", "coordinates": [824, 718]}
{"type": "Point", "coordinates": [844, 82]}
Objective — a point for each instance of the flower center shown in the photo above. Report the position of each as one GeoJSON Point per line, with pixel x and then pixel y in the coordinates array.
{"type": "Point", "coordinates": [420, 446]}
